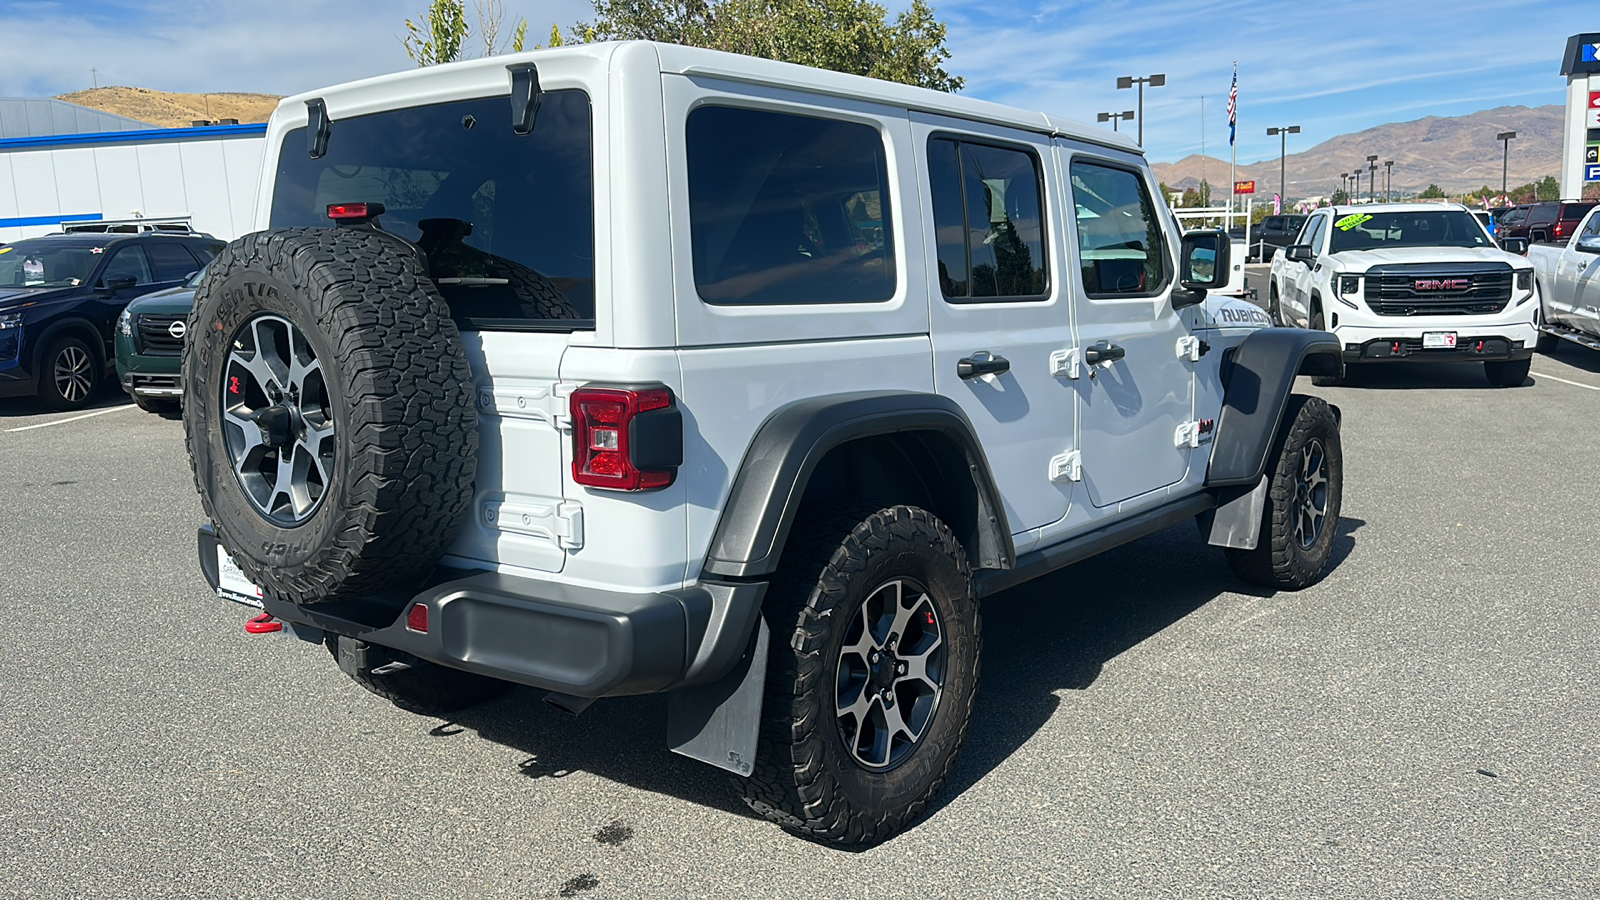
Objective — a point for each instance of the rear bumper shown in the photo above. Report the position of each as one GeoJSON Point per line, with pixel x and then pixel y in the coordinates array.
{"type": "Point", "coordinates": [586, 642]}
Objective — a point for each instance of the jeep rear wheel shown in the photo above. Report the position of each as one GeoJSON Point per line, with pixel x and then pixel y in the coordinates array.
{"type": "Point", "coordinates": [1304, 489]}
{"type": "Point", "coordinates": [873, 673]}
{"type": "Point", "coordinates": [330, 418]}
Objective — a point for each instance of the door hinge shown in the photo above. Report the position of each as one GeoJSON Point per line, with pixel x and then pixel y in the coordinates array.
{"type": "Point", "coordinates": [1192, 348]}
{"type": "Point", "coordinates": [561, 521]}
{"type": "Point", "coordinates": [1067, 467]}
{"type": "Point", "coordinates": [569, 525]}
{"type": "Point", "coordinates": [546, 402]}
{"type": "Point", "coordinates": [1193, 434]}
{"type": "Point", "coordinates": [1068, 363]}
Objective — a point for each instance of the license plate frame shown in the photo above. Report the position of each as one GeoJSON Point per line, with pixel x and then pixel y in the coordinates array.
{"type": "Point", "coordinates": [1439, 340]}
{"type": "Point", "coordinates": [232, 583]}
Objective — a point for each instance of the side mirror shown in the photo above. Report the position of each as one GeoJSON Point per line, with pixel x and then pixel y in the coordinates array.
{"type": "Point", "coordinates": [1300, 253]}
{"type": "Point", "coordinates": [1590, 244]}
{"type": "Point", "coordinates": [1205, 260]}
{"type": "Point", "coordinates": [117, 283]}
{"type": "Point", "coordinates": [1515, 245]}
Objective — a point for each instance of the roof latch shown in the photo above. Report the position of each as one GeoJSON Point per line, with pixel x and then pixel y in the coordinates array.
{"type": "Point", "coordinates": [525, 96]}
{"type": "Point", "coordinates": [317, 127]}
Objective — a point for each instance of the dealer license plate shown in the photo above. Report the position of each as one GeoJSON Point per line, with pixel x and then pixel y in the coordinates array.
{"type": "Point", "coordinates": [1438, 340]}
{"type": "Point", "coordinates": [232, 583]}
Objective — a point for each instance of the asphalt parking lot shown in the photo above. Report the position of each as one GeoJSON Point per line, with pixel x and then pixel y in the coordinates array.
{"type": "Point", "coordinates": [1423, 723]}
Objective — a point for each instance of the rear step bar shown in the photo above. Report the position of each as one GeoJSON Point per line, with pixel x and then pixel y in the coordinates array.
{"type": "Point", "coordinates": [1569, 334]}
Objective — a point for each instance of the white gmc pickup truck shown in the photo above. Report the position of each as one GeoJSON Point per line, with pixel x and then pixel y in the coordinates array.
{"type": "Point", "coordinates": [1408, 282]}
{"type": "Point", "coordinates": [1569, 287]}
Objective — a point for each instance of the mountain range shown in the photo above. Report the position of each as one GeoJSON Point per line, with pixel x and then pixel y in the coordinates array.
{"type": "Point", "coordinates": [1458, 153]}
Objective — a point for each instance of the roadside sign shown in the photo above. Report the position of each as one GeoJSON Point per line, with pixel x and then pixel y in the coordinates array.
{"type": "Point", "coordinates": [1592, 115]}
{"type": "Point", "coordinates": [1591, 173]}
{"type": "Point", "coordinates": [1591, 154]}
{"type": "Point", "coordinates": [1244, 187]}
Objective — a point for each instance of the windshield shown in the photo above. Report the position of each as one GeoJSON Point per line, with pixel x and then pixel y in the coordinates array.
{"type": "Point", "coordinates": [1424, 228]}
{"type": "Point", "coordinates": [194, 280]}
{"type": "Point", "coordinates": [46, 264]}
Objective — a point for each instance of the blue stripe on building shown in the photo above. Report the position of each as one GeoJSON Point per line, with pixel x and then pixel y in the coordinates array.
{"type": "Point", "coordinates": [23, 221]}
{"type": "Point", "coordinates": [134, 137]}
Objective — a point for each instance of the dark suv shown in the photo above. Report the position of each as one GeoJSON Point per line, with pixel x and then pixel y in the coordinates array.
{"type": "Point", "coordinates": [60, 296]}
{"type": "Point", "coordinates": [1544, 222]}
{"type": "Point", "coordinates": [1272, 233]}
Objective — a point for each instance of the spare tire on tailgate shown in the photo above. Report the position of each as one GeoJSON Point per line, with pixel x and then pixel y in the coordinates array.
{"type": "Point", "coordinates": [328, 412]}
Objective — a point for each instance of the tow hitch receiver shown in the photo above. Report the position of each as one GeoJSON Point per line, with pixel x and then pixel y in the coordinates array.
{"type": "Point", "coordinates": [263, 624]}
{"type": "Point", "coordinates": [352, 656]}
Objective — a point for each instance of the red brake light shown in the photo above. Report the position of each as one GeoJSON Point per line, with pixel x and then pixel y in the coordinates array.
{"type": "Point", "coordinates": [358, 212]}
{"type": "Point", "coordinates": [417, 618]}
{"type": "Point", "coordinates": [606, 439]}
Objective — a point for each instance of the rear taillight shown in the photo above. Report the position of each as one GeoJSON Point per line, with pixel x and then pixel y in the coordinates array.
{"type": "Point", "coordinates": [1561, 228]}
{"type": "Point", "coordinates": [626, 439]}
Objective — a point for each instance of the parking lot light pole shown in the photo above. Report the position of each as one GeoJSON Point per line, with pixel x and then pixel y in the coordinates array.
{"type": "Point", "coordinates": [1372, 178]}
{"type": "Point", "coordinates": [1115, 118]}
{"type": "Point", "coordinates": [1154, 81]}
{"type": "Point", "coordinates": [1388, 179]}
{"type": "Point", "coordinates": [1504, 138]}
{"type": "Point", "coordinates": [1283, 148]}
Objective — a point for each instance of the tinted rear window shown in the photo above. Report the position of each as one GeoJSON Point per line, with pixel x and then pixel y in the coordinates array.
{"type": "Point", "coordinates": [506, 220]}
{"type": "Point", "coordinates": [1574, 212]}
{"type": "Point", "coordinates": [788, 209]}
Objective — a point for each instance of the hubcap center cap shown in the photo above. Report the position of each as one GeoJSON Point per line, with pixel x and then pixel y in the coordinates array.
{"type": "Point", "coordinates": [884, 671]}
{"type": "Point", "coordinates": [277, 426]}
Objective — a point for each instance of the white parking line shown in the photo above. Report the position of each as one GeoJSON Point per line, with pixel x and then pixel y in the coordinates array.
{"type": "Point", "coordinates": [1564, 381]}
{"type": "Point", "coordinates": [98, 412]}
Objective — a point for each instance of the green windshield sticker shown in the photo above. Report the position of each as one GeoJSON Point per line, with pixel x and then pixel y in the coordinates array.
{"type": "Point", "coordinates": [1349, 222]}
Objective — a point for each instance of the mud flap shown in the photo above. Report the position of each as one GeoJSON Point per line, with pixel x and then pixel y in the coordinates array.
{"type": "Point", "coordinates": [719, 723]}
{"type": "Point", "coordinates": [1236, 521]}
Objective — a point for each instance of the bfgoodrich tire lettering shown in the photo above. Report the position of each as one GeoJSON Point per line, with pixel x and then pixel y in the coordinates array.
{"type": "Point", "coordinates": [1304, 489]}
{"type": "Point", "coordinates": [399, 401]}
{"type": "Point", "coordinates": [817, 771]}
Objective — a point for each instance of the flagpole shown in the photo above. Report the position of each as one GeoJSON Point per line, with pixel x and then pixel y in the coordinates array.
{"type": "Point", "coordinates": [1233, 144]}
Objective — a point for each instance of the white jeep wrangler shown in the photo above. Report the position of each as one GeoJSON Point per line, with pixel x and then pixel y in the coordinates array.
{"type": "Point", "coordinates": [630, 368]}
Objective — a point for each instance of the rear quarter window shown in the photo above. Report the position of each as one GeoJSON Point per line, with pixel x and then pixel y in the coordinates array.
{"type": "Point", "coordinates": [506, 220]}
{"type": "Point", "coordinates": [788, 209]}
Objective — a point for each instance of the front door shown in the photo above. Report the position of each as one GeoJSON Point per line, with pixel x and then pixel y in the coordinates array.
{"type": "Point", "coordinates": [1136, 391]}
{"type": "Point", "coordinates": [1001, 309]}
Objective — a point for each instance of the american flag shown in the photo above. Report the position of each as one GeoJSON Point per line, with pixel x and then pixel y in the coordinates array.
{"type": "Point", "coordinates": [1233, 105]}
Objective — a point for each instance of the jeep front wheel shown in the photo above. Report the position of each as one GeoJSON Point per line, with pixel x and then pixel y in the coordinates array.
{"type": "Point", "coordinates": [873, 673]}
{"type": "Point", "coordinates": [1304, 489]}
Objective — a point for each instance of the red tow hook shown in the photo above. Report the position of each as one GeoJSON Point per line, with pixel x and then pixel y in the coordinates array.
{"type": "Point", "coordinates": [263, 624]}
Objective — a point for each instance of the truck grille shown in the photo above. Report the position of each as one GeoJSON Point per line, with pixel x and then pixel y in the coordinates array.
{"type": "Point", "coordinates": [155, 338]}
{"type": "Point", "coordinates": [1434, 292]}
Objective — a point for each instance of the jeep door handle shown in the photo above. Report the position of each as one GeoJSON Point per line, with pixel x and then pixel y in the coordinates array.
{"type": "Point", "coordinates": [982, 363]}
{"type": "Point", "coordinates": [1103, 352]}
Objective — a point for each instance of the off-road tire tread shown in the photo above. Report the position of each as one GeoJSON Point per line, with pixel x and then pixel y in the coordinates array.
{"type": "Point", "coordinates": [428, 689]}
{"type": "Point", "coordinates": [1276, 561]}
{"type": "Point", "coordinates": [790, 784]}
{"type": "Point", "coordinates": [411, 438]}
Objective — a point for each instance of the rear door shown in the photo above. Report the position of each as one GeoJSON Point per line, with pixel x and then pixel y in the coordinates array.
{"type": "Point", "coordinates": [506, 222]}
{"type": "Point", "coordinates": [1131, 405]}
{"type": "Point", "coordinates": [1001, 307]}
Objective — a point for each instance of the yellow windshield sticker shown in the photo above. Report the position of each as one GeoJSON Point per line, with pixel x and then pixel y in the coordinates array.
{"type": "Point", "coordinates": [1349, 222]}
{"type": "Point", "coordinates": [6, 249]}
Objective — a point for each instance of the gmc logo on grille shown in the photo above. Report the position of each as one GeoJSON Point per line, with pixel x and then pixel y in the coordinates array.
{"type": "Point", "coordinates": [1443, 284]}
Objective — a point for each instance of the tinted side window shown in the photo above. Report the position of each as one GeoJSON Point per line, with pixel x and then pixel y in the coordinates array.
{"type": "Point", "coordinates": [170, 261]}
{"type": "Point", "coordinates": [506, 220]}
{"type": "Point", "coordinates": [787, 209]}
{"type": "Point", "coordinates": [988, 213]}
{"type": "Point", "coordinates": [128, 261]}
{"type": "Point", "coordinates": [1119, 235]}
{"type": "Point", "coordinates": [206, 252]}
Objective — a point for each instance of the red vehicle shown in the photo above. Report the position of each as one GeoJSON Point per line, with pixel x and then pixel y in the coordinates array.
{"type": "Point", "coordinates": [1545, 223]}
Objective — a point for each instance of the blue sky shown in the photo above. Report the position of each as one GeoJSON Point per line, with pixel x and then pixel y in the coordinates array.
{"type": "Point", "coordinates": [1330, 67]}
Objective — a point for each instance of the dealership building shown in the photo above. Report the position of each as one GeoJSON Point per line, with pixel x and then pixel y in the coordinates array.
{"type": "Point", "coordinates": [62, 164]}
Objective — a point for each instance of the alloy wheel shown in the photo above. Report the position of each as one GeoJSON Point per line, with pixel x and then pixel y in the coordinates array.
{"type": "Point", "coordinates": [890, 674]}
{"type": "Point", "coordinates": [1311, 494]}
{"type": "Point", "coordinates": [73, 373]}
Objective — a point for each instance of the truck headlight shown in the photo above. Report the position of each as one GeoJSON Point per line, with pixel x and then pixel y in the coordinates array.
{"type": "Point", "coordinates": [11, 320]}
{"type": "Point", "coordinates": [1525, 280]}
{"type": "Point", "coordinates": [125, 324]}
{"type": "Point", "coordinates": [1349, 284]}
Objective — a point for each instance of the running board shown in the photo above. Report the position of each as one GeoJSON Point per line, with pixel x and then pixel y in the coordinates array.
{"type": "Point", "coordinates": [1077, 549]}
{"type": "Point", "coordinates": [1576, 337]}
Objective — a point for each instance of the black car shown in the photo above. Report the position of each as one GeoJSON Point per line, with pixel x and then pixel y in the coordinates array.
{"type": "Point", "coordinates": [1272, 233]}
{"type": "Point", "coordinates": [60, 296]}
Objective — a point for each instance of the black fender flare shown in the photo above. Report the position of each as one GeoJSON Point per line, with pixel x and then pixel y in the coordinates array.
{"type": "Point", "coordinates": [1258, 380]}
{"type": "Point", "coordinates": [786, 449]}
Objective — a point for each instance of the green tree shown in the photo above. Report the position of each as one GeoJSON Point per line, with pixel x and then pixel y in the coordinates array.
{"type": "Point", "coordinates": [1548, 188]}
{"type": "Point", "coordinates": [854, 36]}
{"type": "Point", "coordinates": [444, 32]}
{"type": "Point", "coordinates": [1339, 198]}
{"type": "Point", "coordinates": [1431, 192]}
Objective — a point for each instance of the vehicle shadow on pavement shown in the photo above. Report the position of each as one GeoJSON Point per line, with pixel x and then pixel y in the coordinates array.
{"type": "Point", "coordinates": [1053, 634]}
{"type": "Point", "coordinates": [1401, 376]}
{"type": "Point", "coordinates": [1569, 354]}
